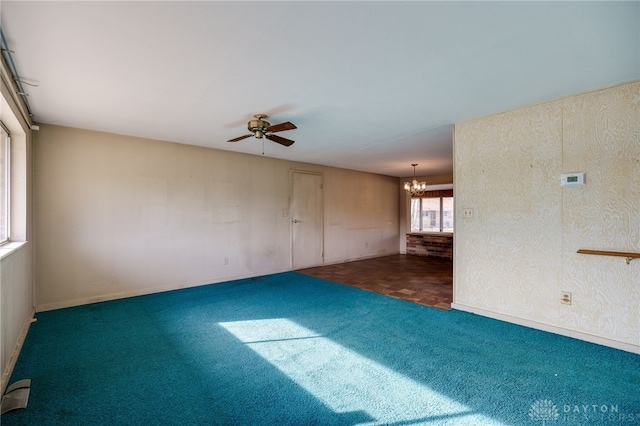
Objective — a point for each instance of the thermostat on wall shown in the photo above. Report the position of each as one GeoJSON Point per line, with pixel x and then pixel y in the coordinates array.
{"type": "Point", "coordinates": [572, 179]}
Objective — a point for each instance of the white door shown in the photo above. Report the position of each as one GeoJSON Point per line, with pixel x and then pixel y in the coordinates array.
{"type": "Point", "coordinates": [306, 220]}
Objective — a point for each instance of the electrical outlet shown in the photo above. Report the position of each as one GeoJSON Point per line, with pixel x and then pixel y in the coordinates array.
{"type": "Point", "coordinates": [565, 298]}
{"type": "Point", "coordinates": [467, 213]}
{"type": "Point", "coordinates": [226, 260]}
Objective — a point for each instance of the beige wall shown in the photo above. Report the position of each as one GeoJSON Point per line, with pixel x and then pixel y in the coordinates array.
{"type": "Point", "coordinates": [16, 259]}
{"type": "Point", "coordinates": [361, 215]}
{"type": "Point", "coordinates": [119, 216]}
{"type": "Point", "coordinates": [518, 253]}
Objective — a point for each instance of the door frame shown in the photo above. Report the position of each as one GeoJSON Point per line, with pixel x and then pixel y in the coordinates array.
{"type": "Point", "coordinates": [292, 173]}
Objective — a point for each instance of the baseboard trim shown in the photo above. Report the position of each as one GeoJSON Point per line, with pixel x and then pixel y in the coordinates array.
{"type": "Point", "coordinates": [151, 290]}
{"type": "Point", "coordinates": [142, 292]}
{"type": "Point", "coordinates": [355, 259]}
{"type": "Point", "coordinates": [13, 358]}
{"type": "Point", "coordinates": [623, 346]}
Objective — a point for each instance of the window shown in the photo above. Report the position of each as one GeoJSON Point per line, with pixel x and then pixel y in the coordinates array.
{"type": "Point", "coordinates": [432, 214]}
{"type": "Point", "coordinates": [4, 184]}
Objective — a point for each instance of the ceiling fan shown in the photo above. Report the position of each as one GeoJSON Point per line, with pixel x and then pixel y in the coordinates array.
{"type": "Point", "coordinates": [260, 128]}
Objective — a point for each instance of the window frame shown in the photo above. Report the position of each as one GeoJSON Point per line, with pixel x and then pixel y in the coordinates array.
{"type": "Point", "coordinates": [441, 222]}
{"type": "Point", "coordinates": [5, 185]}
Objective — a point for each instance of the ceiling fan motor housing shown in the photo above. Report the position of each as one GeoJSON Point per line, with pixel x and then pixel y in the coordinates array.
{"type": "Point", "coordinates": [258, 127]}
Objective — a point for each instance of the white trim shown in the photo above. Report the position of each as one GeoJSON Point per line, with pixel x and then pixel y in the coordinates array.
{"type": "Point", "coordinates": [7, 190]}
{"type": "Point", "coordinates": [11, 247]}
{"type": "Point", "coordinates": [151, 290]}
{"type": "Point", "coordinates": [6, 374]}
{"type": "Point", "coordinates": [550, 328]}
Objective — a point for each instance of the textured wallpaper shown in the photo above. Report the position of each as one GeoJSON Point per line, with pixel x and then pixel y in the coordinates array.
{"type": "Point", "coordinates": [601, 138]}
{"type": "Point", "coordinates": [518, 252]}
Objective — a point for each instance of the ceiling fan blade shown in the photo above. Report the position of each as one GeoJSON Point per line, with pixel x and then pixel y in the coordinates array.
{"type": "Point", "coordinates": [240, 138]}
{"type": "Point", "coordinates": [281, 127]}
{"type": "Point", "coordinates": [280, 140]}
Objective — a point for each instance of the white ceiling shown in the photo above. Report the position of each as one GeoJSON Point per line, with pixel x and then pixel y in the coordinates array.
{"type": "Point", "coordinates": [372, 86]}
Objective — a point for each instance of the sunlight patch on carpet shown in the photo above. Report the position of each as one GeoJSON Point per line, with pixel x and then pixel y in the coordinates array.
{"type": "Point", "coordinates": [346, 381]}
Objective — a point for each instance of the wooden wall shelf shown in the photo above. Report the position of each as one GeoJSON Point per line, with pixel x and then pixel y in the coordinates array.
{"type": "Point", "coordinates": [629, 256]}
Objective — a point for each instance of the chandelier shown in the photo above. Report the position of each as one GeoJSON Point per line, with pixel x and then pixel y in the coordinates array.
{"type": "Point", "coordinates": [415, 188]}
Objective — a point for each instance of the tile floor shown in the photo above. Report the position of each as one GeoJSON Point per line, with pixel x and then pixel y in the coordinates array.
{"type": "Point", "coordinates": [419, 279]}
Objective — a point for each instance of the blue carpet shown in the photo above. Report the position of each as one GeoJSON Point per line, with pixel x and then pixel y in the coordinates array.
{"type": "Point", "coordinates": [288, 349]}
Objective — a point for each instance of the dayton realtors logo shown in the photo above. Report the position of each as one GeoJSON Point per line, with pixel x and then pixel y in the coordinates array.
{"type": "Point", "coordinates": [545, 410]}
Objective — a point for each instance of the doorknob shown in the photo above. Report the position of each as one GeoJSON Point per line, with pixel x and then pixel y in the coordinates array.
{"type": "Point", "coordinates": [295, 221]}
